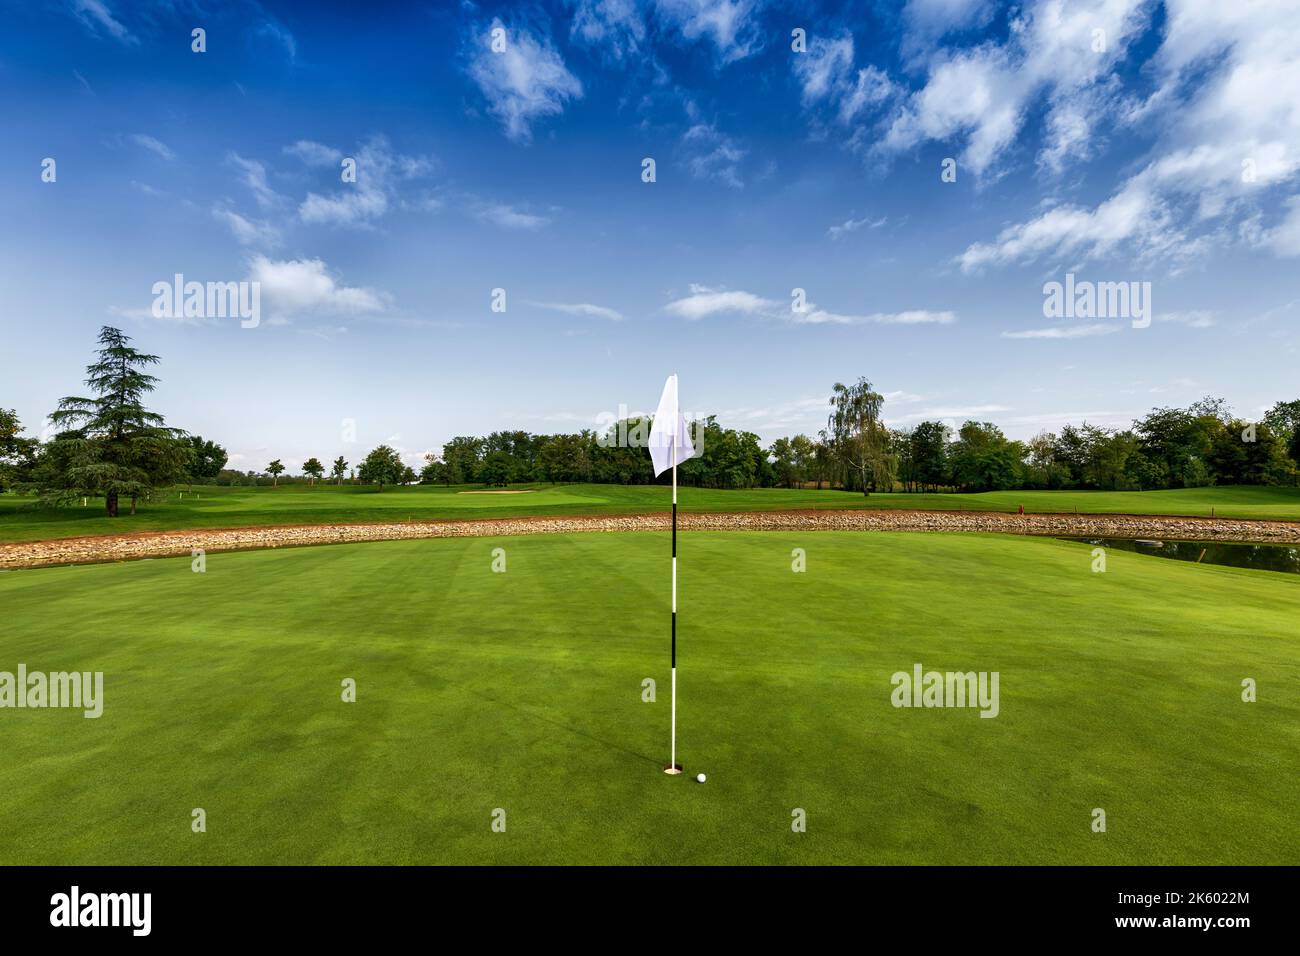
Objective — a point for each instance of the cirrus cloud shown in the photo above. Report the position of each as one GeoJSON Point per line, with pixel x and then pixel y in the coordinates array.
{"type": "Point", "coordinates": [524, 83]}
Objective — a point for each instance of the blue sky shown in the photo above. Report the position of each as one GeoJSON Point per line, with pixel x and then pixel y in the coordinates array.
{"type": "Point", "coordinates": [1165, 149]}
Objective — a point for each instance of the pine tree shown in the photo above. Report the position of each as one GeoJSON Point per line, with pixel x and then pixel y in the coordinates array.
{"type": "Point", "coordinates": [111, 444]}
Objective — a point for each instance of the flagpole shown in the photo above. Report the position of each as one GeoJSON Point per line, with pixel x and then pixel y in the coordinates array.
{"type": "Point", "coordinates": [672, 762]}
{"type": "Point", "coordinates": [672, 759]}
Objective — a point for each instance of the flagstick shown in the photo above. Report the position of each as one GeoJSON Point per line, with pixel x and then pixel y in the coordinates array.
{"type": "Point", "coordinates": [672, 761]}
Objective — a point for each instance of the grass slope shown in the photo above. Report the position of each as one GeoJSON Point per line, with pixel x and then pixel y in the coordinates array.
{"type": "Point", "coordinates": [522, 691]}
{"type": "Point", "coordinates": [298, 504]}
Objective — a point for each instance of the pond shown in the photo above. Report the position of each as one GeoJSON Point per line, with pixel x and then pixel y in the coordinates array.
{"type": "Point", "coordinates": [1262, 557]}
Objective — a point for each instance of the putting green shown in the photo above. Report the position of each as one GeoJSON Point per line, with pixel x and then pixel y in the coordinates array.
{"type": "Point", "coordinates": [522, 691]}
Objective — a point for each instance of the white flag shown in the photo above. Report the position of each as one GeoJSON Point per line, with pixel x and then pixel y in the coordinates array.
{"type": "Point", "coordinates": [669, 431]}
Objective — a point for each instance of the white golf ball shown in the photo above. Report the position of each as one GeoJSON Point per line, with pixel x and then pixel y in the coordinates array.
{"type": "Point", "coordinates": [700, 777]}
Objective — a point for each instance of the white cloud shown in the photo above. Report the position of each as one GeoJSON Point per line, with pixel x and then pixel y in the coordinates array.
{"type": "Point", "coordinates": [298, 286]}
{"type": "Point", "coordinates": [314, 154]}
{"type": "Point", "coordinates": [380, 172]}
{"type": "Point", "coordinates": [1064, 332]}
{"type": "Point", "coordinates": [816, 316]}
{"type": "Point", "coordinates": [1195, 318]}
{"type": "Point", "coordinates": [143, 313]}
{"type": "Point", "coordinates": [1284, 238]}
{"type": "Point", "coordinates": [731, 24]}
{"type": "Point", "coordinates": [96, 15]}
{"type": "Point", "coordinates": [1229, 131]}
{"type": "Point", "coordinates": [976, 95]}
{"type": "Point", "coordinates": [614, 27]}
{"type": "Point", "coordinates": [826, 75]}
{"type": "Point", "coordinates": [356, 207]}
{"type": "Point", "coordinates": [853, 225]}
{"type": "Point", "coordinates": [781, 419]}
{"type": "Point", "coordinates": [955, 412]}
{"type": "Point", "coordinates": [254, 177]}
{"type": "Point", "coordinates": [525, 83]}
{"type": "Point", "coordinates": [869, 88]}
{"type": "Point", "coordinates": [825, 67]}
{"type": "Point", "coordinates": [711, 154]}
{"type": "Point", "coordinates": [581, 309]}
{"type": "Point", "coordinates": [1070, 230]}
{"type": "Point", "coordinates": [248, 232]}
{"type": "Point", "coordinates": [1070, 134]}
{"type": "Point", "coordinates": [154, 146]}
{"type": "Point", "coordinates": [281, 37]}
{"type": "Point", "coordinates": [704, 302]}
{"type": "Point", "coordinates": [934, 18]}
{"type": "Point", "coordinates": [509, 217]}
{"type": "Point", "coordinates": [980, 96]}
{"type": "Point", "coordinates": [1033, 424]}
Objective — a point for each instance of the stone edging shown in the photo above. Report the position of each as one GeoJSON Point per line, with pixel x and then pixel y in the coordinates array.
{"type": "Point", "coordinates": [31, 554]}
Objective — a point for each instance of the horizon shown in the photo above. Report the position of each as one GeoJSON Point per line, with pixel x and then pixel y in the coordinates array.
{"type": "Point", "coordinates": [1169, 157]}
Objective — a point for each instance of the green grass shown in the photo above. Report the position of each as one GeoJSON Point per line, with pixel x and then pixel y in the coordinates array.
{"type": "Point", "coordinates": [298, 504]}
{"type": "Point", "coordinates": [522, 691]}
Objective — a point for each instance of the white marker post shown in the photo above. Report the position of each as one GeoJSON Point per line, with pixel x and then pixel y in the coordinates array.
{"type": "Point", "coordinates": [673, 766]}
{"type": "Point", "coordinates": [669, 445]}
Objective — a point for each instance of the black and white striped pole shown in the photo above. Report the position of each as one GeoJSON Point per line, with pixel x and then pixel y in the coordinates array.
{"type": "Point", "coordinates": [668, 446]}
{"type": "Point", "coordinates": [673, 766]}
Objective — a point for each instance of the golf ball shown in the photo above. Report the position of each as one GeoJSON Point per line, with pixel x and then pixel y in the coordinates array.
{"type": "Point", "coordinates": [699, 777]}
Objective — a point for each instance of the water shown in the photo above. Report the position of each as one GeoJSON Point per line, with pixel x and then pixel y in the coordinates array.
{"type": "Point", "coordinates": [1262, 557]}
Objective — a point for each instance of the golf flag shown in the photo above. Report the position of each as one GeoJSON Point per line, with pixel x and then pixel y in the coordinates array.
{"type": "Point", "coordinates": [669, 445]}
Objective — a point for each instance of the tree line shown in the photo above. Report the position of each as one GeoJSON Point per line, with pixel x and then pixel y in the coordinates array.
{"type": "Point", "coordinates": [1203, 444]}
{"type": "Point", "coordinates": [110, 445]}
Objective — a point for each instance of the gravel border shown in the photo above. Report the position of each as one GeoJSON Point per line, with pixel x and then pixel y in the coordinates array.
{"type": "Point", "coordinates": [86, 550]}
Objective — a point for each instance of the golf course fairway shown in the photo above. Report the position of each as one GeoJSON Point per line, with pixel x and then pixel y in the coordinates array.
{"type": "Point", "coordinates": [521, 690]}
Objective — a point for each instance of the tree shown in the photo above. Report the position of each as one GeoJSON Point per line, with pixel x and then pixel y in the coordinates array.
{"type": "Point", "coordinates": [1284, 420]}
{"type": "Point", "coordinates": [495, 469]}
{"type": "Point", "coordinates": [565, 457]}
{"type": "Point", "coordinates": [725, 458]}
{"type": "Point", "coordinates": [783, 462]}
{"type": "Point", "coordinates": [859, 438]}
{"type": "Point", "coordinates": [802, 451]}
{"type": "Point", "coordinates": [1143, 473]}
{"type": "Point", "coordinates": [1108, 455]}
{"type": "Point", "coordinates": [274, 469]}
{"type": "Point", "coordinates": [929, 442]}
{"type": "Point", "coordinates": [1242, 453]}
{"type": "Point", "coordinates": [823, 463]}
{"type": "Point", "coordinates": [1176, 440]}
{"type": "Point", "coordinates": [984, 460]}
{"type": "Point", "coordinates": [1043, 465]}
{"type": "Point", "coordinates": [339, 470]}
{"type": "Point", "coordinates": [114, 445]}
{"type": "Point", "coordinates": [383, 466]}
{"type": "Point", "coordinates": [462, 456]}
{"type": "Point", "coordinates": [434, 471]}
{"type": "Point", "coordinates": [206, 459]}
{"type": "Point", "coordinates": [313, 468]}
{"type": "Point", "coordinates": [17, 454]}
